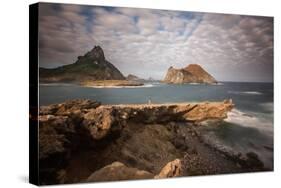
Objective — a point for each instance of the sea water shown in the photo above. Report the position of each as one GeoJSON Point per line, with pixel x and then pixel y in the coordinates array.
{"type": "Point", "coordinates": [248, 128]}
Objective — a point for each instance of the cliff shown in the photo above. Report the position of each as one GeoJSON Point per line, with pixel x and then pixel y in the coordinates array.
{"type": "Point", "coordinates": [84, 141]}
{"type": "Point", "coordinates": [193, 73]}
{"type": "Point", "coordinates": [91, 66]}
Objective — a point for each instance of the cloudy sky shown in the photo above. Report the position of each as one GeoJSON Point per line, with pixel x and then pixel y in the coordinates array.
{"type": "Point", "coordinates": [147, 42]}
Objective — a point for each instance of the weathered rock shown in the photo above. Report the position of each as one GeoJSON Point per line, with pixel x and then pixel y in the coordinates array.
{"type": "Point", "coordinates": [146, 146]}
{"type": "Point", "coordinates": [118, 171]}
{"type": "Point", "coordinates": [251, 161]}
{"type": "Point", "coordinates": [172, 169]}
{"type": "Point", "coordinates": [68, 107]}
{"type": "Point", "coordinates": [98, 122]}
{"type": "Point", "coordinates": [209, 111]}
{"type": "Point", "coordinates": [193, 73]}
{"type": "Point", "coordinates": [164, 113]}
{"type": "Point", "coordinates": [52, 135]}
{"type": "Point", "coordinates": [56, 138]}
{"type": "Point", "coordinates": [141, 136]}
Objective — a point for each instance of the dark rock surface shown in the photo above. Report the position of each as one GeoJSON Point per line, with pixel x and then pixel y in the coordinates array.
{"type": "Point", "coordinates": [80, 140]}
{"type": "Point", "coordinates": [118, 171]}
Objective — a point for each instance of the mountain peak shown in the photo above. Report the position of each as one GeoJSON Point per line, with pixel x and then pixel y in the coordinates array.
{"type": "Point", "coordinates": [96, 53]}
{"type": "Point", "coordinates": [91, 66]}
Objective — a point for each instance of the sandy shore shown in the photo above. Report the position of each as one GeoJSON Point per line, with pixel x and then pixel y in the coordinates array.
{"type": "Point", "coordinates": [111, 83]}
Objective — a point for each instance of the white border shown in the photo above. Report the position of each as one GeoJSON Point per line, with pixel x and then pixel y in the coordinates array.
{"type": "Point", "coordinates": [14, 90]}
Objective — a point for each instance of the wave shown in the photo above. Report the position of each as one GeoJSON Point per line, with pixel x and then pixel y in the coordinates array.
{"type": "Point", "coordinates": [239, 135]}
{"type": "Point", "coordinates": [253, 120]}
{"type": "Point", "coordinates": [245, 92]}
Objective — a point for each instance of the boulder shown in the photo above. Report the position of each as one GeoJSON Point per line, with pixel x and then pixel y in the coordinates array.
{"type": "Point", "coordinates": [118, 171]}
{"type": "Point", "coordinates": [171, 169]}
{"type": "Point", "coordinates": [98, 122]}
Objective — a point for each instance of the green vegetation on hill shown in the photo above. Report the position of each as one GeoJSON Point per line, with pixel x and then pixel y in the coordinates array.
{"type": "Point", "coordinates": [91, 66]}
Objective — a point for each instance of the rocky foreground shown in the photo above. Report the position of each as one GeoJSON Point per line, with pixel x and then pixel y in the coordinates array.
{"type": "Point", "coordinates": [84, 141]}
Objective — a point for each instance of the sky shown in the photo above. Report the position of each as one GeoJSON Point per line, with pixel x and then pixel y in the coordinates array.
{"type": "Point", "coordinates": [146, 42]}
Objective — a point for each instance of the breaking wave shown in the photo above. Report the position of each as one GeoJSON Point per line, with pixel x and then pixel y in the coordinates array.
{"type": "Point", "coordinates": [253, 120]}
{"type": "Point", "coordinates": [245, 92]}
{"type": "Point", "coordinates": [243, 132]}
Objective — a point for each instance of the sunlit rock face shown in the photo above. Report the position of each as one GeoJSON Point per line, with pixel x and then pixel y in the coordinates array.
{"type": "Point", "coordinates": [193, 73]}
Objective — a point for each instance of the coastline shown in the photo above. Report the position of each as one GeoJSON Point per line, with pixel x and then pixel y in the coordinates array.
{"type": "Point", "coordinates": [110, 83]}
{"type": "Point", "coordinates": [118, 84]}
{"type": "Point", "coordinates": [146, 139]}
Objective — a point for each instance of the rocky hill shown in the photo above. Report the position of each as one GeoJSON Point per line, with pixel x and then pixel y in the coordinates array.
{"type": "Point", "coordinates": [132, 77]}
{"type": "Point", "coordinates": [193, 73]}
{"type": "Point", "coordinates": [89, 67]}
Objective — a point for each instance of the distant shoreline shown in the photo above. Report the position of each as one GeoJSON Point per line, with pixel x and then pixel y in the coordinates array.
{"type": "Point", "coordinates": [117, 84]}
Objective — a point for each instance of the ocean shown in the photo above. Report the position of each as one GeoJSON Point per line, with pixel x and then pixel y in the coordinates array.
{"type": "Point", "coordinates": [248, 128]}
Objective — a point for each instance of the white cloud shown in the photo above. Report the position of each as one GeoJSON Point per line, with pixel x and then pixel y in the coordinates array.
{"type": "Point", "coordinates": [146, 42]}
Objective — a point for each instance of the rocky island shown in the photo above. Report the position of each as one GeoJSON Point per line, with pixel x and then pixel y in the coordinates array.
{"type": "Point", "coordinates": [193, 73]}
{"type": "Point", "coordinates": [91, 69]}
{"type": "Point", "coordinates": [85, 141]}
{"type": "Point", "coordinates": [134, 78]}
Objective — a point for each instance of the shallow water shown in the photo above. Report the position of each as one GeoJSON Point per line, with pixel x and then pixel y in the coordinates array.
{"type": "Point", "coordinates": [249, 126]}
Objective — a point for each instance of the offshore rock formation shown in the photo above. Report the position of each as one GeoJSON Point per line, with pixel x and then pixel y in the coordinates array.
{"type": "Point", "coordinates": [133, 77]}
{"type": "Point", "coordinates": [82, 141]}
{"type": "Point", "coordinates": [193, 73]}
{"type": "Point", "coordinates": [89, 67]}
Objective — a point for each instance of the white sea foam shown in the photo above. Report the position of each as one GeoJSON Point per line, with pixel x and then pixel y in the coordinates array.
{"type": "Point", "coordinates": [194, 83]}
{"type": "Point", "coordinates": [245, 92]}
{"type": "Point", "coordinates": [254, 120]}
{"type": "Point", "coordinates": [259, 121]}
